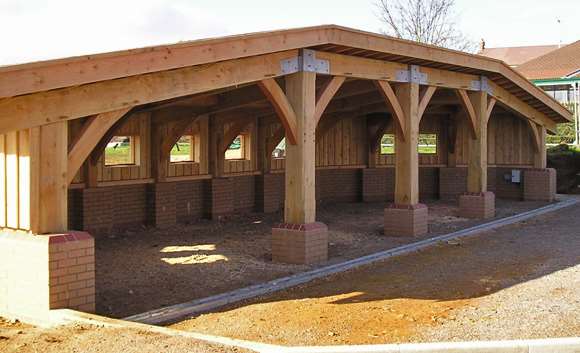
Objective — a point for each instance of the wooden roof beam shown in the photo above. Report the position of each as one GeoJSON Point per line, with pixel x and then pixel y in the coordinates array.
{"type": "Point", "coordinates": [36, 109]}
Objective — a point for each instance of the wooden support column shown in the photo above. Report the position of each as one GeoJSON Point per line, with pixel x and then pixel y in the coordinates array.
{"type": "Point", "coordinates": [477, 202]}
{"type": "Point", "coordinates": [477, 146]}
{"type": "Point", "coordinates": [407, 217]}
{"type": "Point", "coordinates": [300, 239]}
{"type": "Point", "coordinates": [406, 141]}
{"type": "Point", "coordinates": [48, 178]}
{"type": "Point", "coordinates": [300, 203]}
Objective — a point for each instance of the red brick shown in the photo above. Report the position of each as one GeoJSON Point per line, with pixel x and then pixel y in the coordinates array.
{"type": "Point", "coordinates": [406, 221]}
{"type": "Point", "coordinates": [477, 206]}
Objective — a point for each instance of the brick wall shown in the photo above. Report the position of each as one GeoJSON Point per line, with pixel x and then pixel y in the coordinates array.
{"type": "Point", "coordinates": [270, 191]}
{"type": "Point", "coordinates": [452, 183]}
{"type": "Point", "coordinates": [114, 208]}
{"type": "Point", "coordinates": [378, 184]}
{"type": "Point", "coordinates": [43, 272]}
{"type": "Point", "coordinates": [338, 185]}
{"type": "Point", "coordinates": [540, 184]}
{"type": "Point", "coordinates": [221, 196]}
{"type": "Point", "coordinates": [191, 199]}
{"type": "Point", "coordinates": [244, 194]}
{"type": "Point", "coordinates": [503, 188]}
{"type": "Point", "coordinates": [75, 209]}
{"type": "Point", "coordinates": [161, 205]}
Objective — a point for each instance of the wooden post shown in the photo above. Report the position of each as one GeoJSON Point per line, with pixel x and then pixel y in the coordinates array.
{"type": "Point", "coordinates": [48, 179]}
{"type": "Point", "coordinates": [406, 154]}
{"type": "Point", "coordinates": [540, 157]}
{"type": "Point", "coordinates": [477, 145]}
{"type": "Point", "coordinates": [300, 203]}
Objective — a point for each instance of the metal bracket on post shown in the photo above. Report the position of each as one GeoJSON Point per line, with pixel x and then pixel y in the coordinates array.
{"type": "Point", "coordinates": [413, 75]}
{"type": "Point", "coordinates": [482, 85]}
{"type": "Point", "coordinates": [306, 62]}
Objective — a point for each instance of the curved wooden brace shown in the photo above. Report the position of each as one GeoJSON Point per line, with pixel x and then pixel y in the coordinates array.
{"type": "Point", "coordinates": [377, 123]}
{"type": "Point", "coordinates": [490, 105]}
{"type": "Point", "coordinates": [233, 132]}
{"type": "Point", "coordinates": [174, 133]}
{"type": "Point", "coordinates": [469, 109]}
{"type": "Point", "coordinates": [92, 132]}
{"type": "Point", "coordinates": [326, 95]}
{"type": "Point", "coordinates": [424, 100]}
{"type": "Point", "coordinates": [535, 135]}
{"type": "Point", "coordinates": [394, 106]}
{"type": "Point", "coordinates": [275, 139]}
{"type": "Point", "coordinates": [282, 106]}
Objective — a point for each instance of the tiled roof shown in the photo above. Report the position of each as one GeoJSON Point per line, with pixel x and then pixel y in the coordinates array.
{"type": "Point", "coordinates": [556, 64]}
{"type": "Point", "coordinates": [515, 56]}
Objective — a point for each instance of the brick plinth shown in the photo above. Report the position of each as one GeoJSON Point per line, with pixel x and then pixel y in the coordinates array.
{"type": "Point", "coordinates": [403, 220]}
{"type": "Point", "coordinates": [300, 243]}
{"type": "Point", "coordinates": [162, 205]}
{"type": "Point", "coordinates": [540, 184]}
{"type": "Point", "coordinates": [43, 272]}
{"type": "Point", "coordinates": [477, 205]}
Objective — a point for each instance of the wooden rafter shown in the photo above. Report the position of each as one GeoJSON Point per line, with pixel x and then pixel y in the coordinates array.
{"type": "Point", "coordinates": [393, 103]}
{"type": "Point", "coordinates": [425, 98]}
{"type": "Point", "coordinates": [326, 95]}
{"type": "Point", "coordinates": [469, 109]}
{"type": "Point", "coordinates": [88, 138]}
{"type": "Point", "coordinates": [282, 106]}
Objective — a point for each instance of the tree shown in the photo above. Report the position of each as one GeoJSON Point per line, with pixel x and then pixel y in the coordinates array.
{"type": "Point", "coordinates": [426, 21]}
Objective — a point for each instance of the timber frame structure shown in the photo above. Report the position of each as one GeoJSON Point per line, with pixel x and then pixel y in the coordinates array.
{"type": "Point", "coordinates": [332, 92]}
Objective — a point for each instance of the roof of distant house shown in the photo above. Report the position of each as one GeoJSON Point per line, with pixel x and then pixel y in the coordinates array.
{"type": "Point", "coordinates": [515, 56]}
{"type": "Point", "coordinates": [560, 63]}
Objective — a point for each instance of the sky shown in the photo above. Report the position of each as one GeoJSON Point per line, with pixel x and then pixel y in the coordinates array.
{"type": "Point", "coordinates": [32, 30]}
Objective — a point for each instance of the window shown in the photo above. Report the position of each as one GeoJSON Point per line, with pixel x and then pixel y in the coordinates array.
{"type": "Point", "coordinates": [237, 149]}
{"type": "Point", "coordinates": [121, 151]}
{"type": "Point", "coordinates": [183, 150]}
{"type": "Point", "coordinates": [427, 144]}
{"type": "Point", "coordinates": [280, 150]}
{"type": "Point", "coordinates": [388, 144]}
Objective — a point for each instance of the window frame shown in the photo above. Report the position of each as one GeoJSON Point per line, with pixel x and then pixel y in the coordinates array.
{"type": "Point", "coordinates": [134, 146]}
{"type": "Point", "coordinates": [192, 150]}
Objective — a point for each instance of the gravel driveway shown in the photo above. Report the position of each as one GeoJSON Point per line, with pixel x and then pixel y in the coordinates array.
{"type": "Point", "coordinates": [521, 281]}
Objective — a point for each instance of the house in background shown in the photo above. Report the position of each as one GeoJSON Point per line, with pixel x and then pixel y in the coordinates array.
{"type": "Point", "coordinates": [555, 70]}
{"type": "Point", "coordinates": [515, 56]}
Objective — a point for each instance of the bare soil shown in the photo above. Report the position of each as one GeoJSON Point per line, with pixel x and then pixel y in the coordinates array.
{"type": "Point", "coordinates": [137, 271]}
{"type": "Point", "coordinates": [21, 338]}
{"type": "Point", "coordinates": [518, 282]}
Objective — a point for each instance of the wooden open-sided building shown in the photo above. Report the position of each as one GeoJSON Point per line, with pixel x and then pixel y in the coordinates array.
{"type": "Point", "coordinates": [364, 117]}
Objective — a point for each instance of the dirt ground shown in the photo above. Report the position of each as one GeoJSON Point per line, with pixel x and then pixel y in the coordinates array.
{"type": "Point", "coordinates": [20, 338]}
{"type": "Point", "coordinates": [518, 282]}
{"type": "Point", "coordinates": [144, 270]}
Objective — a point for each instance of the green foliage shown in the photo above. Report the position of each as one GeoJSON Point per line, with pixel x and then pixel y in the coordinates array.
{"type": "Point", "coordinates": [119, 154]}
{"type": "Point", "coordinates": [565, 134]}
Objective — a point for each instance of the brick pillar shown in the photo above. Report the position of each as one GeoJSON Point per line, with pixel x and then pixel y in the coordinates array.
{"type": "Point", "coordinates": [300, 243]}
{"type": "Point", "coordinates": [221, 194]}
{"type": "Point", "coordinates": [477, 205]}
{"type": "Point", "coordinates": [162, 204]}
{"type": "Point", "coordinates": [43, 272]}
{"type": "Point", "coordinates": [452, 183]}
{"type": "Point", "coordinates": [269, 192]}
{"type": "Point", "coordinates": [406, 220]}
{"type": "Point", "coordinates": [540, 184]}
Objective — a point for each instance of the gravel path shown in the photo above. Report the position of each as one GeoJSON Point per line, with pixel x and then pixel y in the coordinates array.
{"type": "Point", "coordinates": [521, 281]}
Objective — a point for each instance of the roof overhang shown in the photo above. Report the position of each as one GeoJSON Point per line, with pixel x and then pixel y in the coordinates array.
{"type": "Point", "coordinates": [27, 79]}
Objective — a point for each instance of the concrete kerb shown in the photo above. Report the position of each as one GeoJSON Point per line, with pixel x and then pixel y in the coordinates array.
{"type": "Point", "coordinates": [180, 311]}
{"type": "Point", "coordinates": [556, 345]}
